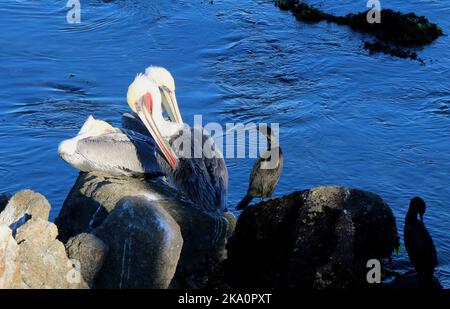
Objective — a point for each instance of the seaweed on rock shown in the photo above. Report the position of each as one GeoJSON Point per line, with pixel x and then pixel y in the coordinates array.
{"type": "Point", "coordinates": [395, 31]}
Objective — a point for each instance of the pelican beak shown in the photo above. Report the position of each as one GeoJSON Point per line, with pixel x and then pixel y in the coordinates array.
{"type": "Point", "coordinates": [170, 104]}
{"type": "Point", "coordinates": [144, 108]}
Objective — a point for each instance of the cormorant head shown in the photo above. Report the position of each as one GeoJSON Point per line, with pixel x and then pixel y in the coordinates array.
{"type": "Point", "coordinates": [417, 206]}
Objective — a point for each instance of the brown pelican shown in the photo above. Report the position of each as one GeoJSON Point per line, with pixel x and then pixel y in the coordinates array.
{"type": "Point", "coordinates": [418, 242]}
{"type": "Point", "coordinates": [189, 156]}
{"type": "Point", "coordinates": [262, 181]}
{"type": "Point", "coordinates": [100, 147]}
{"type": "Point", "coordinates": [129, 151]}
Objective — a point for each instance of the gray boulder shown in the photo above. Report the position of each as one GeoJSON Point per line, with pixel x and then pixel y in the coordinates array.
{"type": "Point", "coordinates": [43, 260]}
{"type": "Point", "coordinates": [144, 246]}
{"type": "Point", "coordinates": [319, 238]}
{"type": "Point", "coordinates": [90, 251]}
{"type": "Point", "coordinates": [22, 206]}
{"type": "Point", "coordinates": [9, 260]}
{"type": "Point", "coordinates": [94, 198]}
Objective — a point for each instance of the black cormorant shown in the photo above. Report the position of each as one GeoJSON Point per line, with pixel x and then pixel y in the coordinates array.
{"type": "Point", "coordinates": [262, 181]}
{"type": "Point", "coordinates": [418, 242]}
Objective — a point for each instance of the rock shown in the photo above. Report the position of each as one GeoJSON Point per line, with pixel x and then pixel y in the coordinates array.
{"type": "Point", "coordinates": [144, 246]}
{"type": "Point", "coordinates": [37, 230]}
{"type": "Point", "coordinates": [378, 47]}
{"type": "Point", "coordinates": [286, 4]}
{"type": "Point", "coordinates": [22, 206]}
{"type": "Point", "coordinates": [90, 251]}
{"type": "Point", "coordinates": [204, 234]}
{"type": "Point", "coordinates": [43, 259]}
{"type": "Point", "coordinates": [9, 264]}
{"type": "Point", "coordinates": [412, 280]}
{"type": "Point", "coordinates": [319, 238]}
{"type": "Point", "coordinates": [395, 31]}
{"type": "Point", "coordinates": [4, 198]}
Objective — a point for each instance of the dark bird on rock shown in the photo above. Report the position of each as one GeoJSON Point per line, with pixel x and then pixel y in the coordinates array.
{"type": "Point", "coordinates": [266, 172]}
{"type": "Point", "coordinates": [418, 242]}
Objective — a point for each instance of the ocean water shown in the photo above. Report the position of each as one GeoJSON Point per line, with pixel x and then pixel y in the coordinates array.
{"type": "Point", "coordinates": [346, 117]}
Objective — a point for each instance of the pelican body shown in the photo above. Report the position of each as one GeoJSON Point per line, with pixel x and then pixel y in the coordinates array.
{"type": "Point", "coordinates": [150, 144]}
{"type": "Point", "coordinates": [418, 241]}
{"type": "Point", "coordinates": [262, 182]}
{"type": "Point", "coordinates": [202, 177]}
{"type": "Point", "coordinates": [118, 152]}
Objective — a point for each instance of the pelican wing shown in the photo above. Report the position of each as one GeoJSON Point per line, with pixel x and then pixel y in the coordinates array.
{"type": "Point", "coordinates": [120, 153]}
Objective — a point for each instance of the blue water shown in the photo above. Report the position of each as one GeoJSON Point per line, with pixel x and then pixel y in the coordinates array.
{"type": "Point", "coordinates": [368, 121]}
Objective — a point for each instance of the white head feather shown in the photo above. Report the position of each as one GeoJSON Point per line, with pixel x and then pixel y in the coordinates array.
{"type": "Point", "coordinates": [161, 76]}
{"type": "Point", "coordinates": [139, 87]}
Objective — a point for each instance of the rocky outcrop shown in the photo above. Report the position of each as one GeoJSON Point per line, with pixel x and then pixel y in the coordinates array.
{"type": "Point", "coordinates": [9, 261]}
{"type": "Point", "coordinates": [30, 254]}
{"type": "Point", "coordinates": [43, 259]}
{"type": "Point", "coordinates": [392, 34]}
{"type": "Point", "coordinates": [319, 238]}
{"type": "Point", "coordinates": [90, 252]}
{"type": "Point", "coordinates": [136, 217]}
{"type": "Point", "coordinates": [22, 206]}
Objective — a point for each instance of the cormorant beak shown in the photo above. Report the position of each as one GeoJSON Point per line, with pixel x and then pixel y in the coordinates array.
{"type": "Point", "coordinates": [421, 217]}
{"type": "Point", "coordinates": [170, 103]}
{"type": "Point", "coordinates": [144, 108]}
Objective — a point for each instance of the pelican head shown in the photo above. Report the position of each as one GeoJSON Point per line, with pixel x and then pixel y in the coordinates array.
{"type": "Point", "coordinates": [166, 84]}
{"type": "Point", "coordinates": [144, 98]}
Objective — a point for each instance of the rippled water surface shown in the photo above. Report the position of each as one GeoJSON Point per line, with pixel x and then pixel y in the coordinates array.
{"type": "Point", "coordinates": [368, 121]}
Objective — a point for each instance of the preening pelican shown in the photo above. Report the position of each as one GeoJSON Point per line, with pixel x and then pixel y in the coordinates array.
{"type": "Point", "coordinates": [166, 85]}
{"type": "Point", "coordinates": [100, 147]}
{"type": "Point", "coordinates": [204, 178]}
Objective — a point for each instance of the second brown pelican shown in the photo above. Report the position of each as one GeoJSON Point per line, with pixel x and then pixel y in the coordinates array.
{"type": "Point", "coordinates": [262, 180]}
{"type": "Point", "coordinates": [418, 241]}
{"type": "Point", "coordinates": [189, 156]}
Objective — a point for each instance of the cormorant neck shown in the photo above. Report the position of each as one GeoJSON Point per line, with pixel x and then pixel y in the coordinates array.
{"type": "Point", "coordinates": [412, 214]}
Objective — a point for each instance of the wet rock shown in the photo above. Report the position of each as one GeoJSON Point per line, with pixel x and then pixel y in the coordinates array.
{"type": "Point", "coordinates": [319, 238]}
{"type": "Point", "coordinates": [22, 206]}
{"type": "Point", "coordinates": [95, 196]}
{"type": "Point", "coordinates": [286, 4]}
{"type": "Point", "coordinates": [412, 280]}
{"type": "Point", "coordinates": [397, 29]}
{"type": "Point", "coordinates": [144, 246]}
{"type": "Point", "coordinates": [90, 252]}
{"type": "Point", "coordinates": [4, 198]}
{"type": "Point", "coordinates": [9, 263]}
{"type": "Point", "coordinates": [377, 47]}
{"type": "Point", "coordinates": [401, 29]}
{"type": "Point", "coordinates": [43, 259]}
